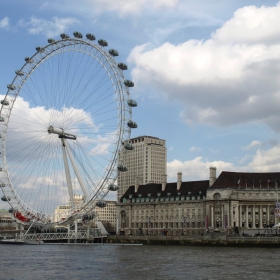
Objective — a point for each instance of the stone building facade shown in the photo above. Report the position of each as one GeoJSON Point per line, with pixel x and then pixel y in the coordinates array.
{"type": "Point", "coordinates": [106, 215]}
{"type": "Point", "coordinates": [160, 209]}
{"type": "Point", "coordinates": [6, 221]}
{"type": "Point", "coordinates": [234, 200]}
{"type": "Point", "coordinates": [243, 200]}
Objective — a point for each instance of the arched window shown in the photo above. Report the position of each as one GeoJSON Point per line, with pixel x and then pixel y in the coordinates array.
{"type": "Point", "coordinates": [217, 196]}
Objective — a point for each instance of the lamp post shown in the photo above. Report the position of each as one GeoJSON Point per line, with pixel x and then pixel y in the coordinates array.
{"type": "Point", "coordinates": [183, 225]}
{"type": "Point", "coordinates": [149, 224]}
{"type": "Point", "coordinates": [179, 214]}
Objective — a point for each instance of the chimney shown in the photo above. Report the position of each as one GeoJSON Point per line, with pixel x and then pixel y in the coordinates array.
{"type": "Point", "coordinates": [164, 181]}
{"type": "Point", "coordinates": [212, 176]}
{"type": "Point", "coordinates": [179, 180]}
{"type": "Point", "coordinates": [136, 186]}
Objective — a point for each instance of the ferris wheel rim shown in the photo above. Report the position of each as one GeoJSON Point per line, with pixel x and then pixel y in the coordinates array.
{"type": "Point", "coordinates": [124, 132]}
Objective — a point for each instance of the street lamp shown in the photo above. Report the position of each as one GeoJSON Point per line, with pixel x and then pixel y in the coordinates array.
{"type": "Point", "coordinates": [149, 224]}
{"type": "Point", "coordinates": [243, 225]}
{"type": "Point", "coordinates": [183, 225]}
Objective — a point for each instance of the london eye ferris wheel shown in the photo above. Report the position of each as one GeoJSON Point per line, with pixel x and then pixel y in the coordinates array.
{"type": "Point", "coordinates": [64, 119]}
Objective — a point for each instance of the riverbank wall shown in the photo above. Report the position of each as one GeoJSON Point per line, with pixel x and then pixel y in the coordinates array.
{"type": "Point", "coordinates": [205, 240]}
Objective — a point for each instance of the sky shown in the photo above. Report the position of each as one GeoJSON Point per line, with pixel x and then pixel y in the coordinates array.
{"type": "Point", "coordinates": [206, 72]}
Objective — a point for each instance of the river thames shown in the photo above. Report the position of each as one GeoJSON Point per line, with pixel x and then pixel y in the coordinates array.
{"type": "Point", "coordinates": [137, 262]}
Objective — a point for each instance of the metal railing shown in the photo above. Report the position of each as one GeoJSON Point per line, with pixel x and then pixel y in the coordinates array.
{"type": "Point", "coordinates": [82, 235]}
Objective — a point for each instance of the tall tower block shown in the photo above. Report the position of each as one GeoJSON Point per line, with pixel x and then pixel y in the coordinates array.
{"type": "Point", "coordinates": [146, 162]}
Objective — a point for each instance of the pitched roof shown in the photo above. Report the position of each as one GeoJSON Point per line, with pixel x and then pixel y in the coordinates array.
{"type": "Point", "coordinates": [243, 180]}
{"type": "Point", "coordinates": [194, 187]}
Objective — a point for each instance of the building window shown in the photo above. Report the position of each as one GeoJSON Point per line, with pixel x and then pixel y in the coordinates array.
{"type": "Point", "coordinates": [217, 196]}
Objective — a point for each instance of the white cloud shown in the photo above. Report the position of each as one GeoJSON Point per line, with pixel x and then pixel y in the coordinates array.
{"type": "Point", "coordinates": [5, 23]}
{"type": "Point", "coordinates": [122, 7]}
{"type": "Point", "coordinates": [198, 168]}
{"type": "Point", "coordinates": [50, 28]}
{"type": "Point", "coordinates": [253, 145]}
{"type": "Point", "coordinates": [134, 7]}
{"type": "Point", "coordinates": [195, 149]}
{"type": "Point", "coordinates": [103, 144]}
{"type": "Point", "coordinates": [195, 169]}
{"type": "Point", "coordinates": [4, 205]}
{"type": "Point", "coordinates": [34, 157]}
{"type": "Point", "coordinates": [251, 25]}
{"type": "Point", "coordinates": [40, 117]}
{"type": "Point", "coordinates": [221, 81]}
{"type": "Point", "coordinates": [266, 160]}
{"type": "Point", "coordinates": [245, 159]}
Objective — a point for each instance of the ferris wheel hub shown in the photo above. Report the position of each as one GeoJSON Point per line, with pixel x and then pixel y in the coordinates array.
{"type": "Point", "coordinates": [61, 133]}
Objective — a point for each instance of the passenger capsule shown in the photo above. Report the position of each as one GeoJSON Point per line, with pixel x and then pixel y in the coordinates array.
{"type": "Point", "coordinates": [132, 103]}
{"type": "Point", "coordinates": [5, 102]}
{"type": "Point", "coordinates": [113, 187]}
{"type": "Point", "coordinates": [122, 168]}
{"type": "Point", "coordinates": [128, 146]}
{"type": "Point", "coordinates": [38, 49]}
{"type": "Point", "coordinates": [101, 204]}
{"type": "Point", "coordinates": [122, 66]}
{"type": "Point", "coordinates": [51, 40]}
{"type": "Point", "coordinates": [128, 83]}
{"type": "Point", "coordinates": [19, 73]}
{"type": "Point", "coordinates": [29, 60]}
{"type": "Point", "coordinates": [88, 217]}
{"type": "Point", "coordinates": [131, 124]}
{"type": "Point", "coordinates": [102, 43]}
{"type": "Point", "coordinates": [11, 210]}
{"type": "Point", "coordinates": [64, 36]}
{"type": "Point", "coordinates": [91, 216]}
{"type": "Point", "coordinates": [11, 87]}
{"type": "Point", "coordinates": [5, 198]}
{"type": "Point", "coordinates": [113, 52]}
{"type": "Point", "coordinates": [2, 185]}
{"type": "Point", "coordinates": [78, 35]}
{"type": "Point", "coordinates": [1, 120]}
{"type": "Point", "coordinates": [90, 36]}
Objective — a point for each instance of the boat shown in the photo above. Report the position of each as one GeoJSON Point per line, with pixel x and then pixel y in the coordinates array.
{"type": "Point", "coordinates": [12, 241]}
{"type": "Point", "coordinates": [34, 242]}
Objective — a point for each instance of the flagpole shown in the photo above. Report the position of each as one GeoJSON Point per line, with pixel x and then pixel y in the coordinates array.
{"type": "Point", "coordinates": [277, 205]}
{"type": "Point", "coordinates": [277, 201]}
{"type": "Point", "coordinates": [276, 187]}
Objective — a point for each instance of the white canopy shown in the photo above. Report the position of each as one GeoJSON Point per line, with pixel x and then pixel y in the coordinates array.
{"type": "Point", "coordinates": [276, 226]}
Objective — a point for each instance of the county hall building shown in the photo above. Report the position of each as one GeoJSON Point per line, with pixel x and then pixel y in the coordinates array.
{"type": "Point", "coordinates": [233, 200]}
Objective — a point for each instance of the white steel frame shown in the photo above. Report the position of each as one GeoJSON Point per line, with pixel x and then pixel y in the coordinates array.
{"type": "Point", "coordinates": [124, 114]}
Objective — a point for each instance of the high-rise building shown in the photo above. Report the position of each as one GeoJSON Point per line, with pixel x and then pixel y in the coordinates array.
{"type": "Point", "coordinates": [62, 210]}
{"type": "Point", "coordinates": [107, 215]}
{"type": "Point", "coordinates": [146, 163]}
